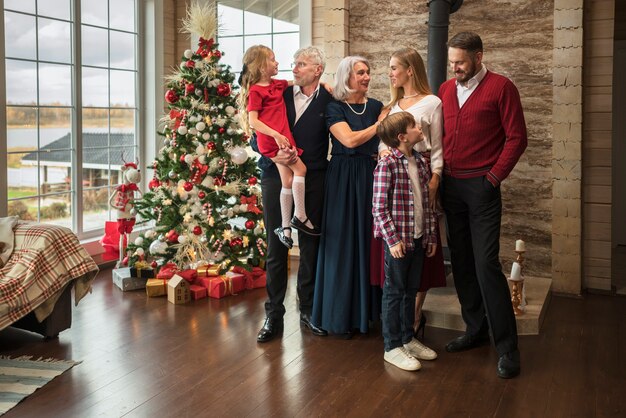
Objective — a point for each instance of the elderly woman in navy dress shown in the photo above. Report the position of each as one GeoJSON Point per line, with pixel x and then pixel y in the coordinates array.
{"type": "Point", "coordinates": [344, 298]}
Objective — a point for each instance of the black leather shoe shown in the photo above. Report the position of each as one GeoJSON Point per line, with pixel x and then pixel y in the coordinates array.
{"type": "Point", "coordinates": [287, 241]}
{"type": "Point", "coordinates": [466, 342]}
{"type": "Point", "coordinates": [305, 319]}
{"type": "Point", "coordinates": [271, 328]}
{"type": "Point", "coordinates": [509, 365]}
{"type": "Point", "coordinates": [301, 226]}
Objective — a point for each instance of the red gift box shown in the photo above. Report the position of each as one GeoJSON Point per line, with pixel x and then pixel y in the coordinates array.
{"type": "Point", "coordinates": [167, 271]}
{"type": "Point", "coordinates": [197, 292]}
{"type": "Point", "coordinates": [228, 284]}
{"type": "Point", "coordinates": [254, 279]}
{"type": "Point", "coordinates": [189, 275]}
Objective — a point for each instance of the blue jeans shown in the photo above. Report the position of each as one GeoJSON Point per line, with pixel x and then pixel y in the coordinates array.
{"type": "Point", "coordinates": [402, 280]}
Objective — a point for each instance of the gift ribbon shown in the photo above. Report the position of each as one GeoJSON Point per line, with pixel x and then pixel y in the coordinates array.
{"type": "Point", "coordinates": [252, 204]}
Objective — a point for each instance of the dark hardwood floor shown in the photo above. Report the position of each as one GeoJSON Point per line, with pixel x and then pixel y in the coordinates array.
{"type": "Point", "coordinates": [144, 357]}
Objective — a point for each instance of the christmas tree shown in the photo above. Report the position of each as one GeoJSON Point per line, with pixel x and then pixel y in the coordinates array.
{"type": "Point", "coordinates": [204, 200]}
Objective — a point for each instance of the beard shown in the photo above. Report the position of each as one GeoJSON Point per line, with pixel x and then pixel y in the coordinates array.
{"type": "Point", "coordinates": [465, 76]}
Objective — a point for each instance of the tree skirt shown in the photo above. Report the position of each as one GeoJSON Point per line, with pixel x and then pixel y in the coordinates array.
{"type": "Point", "coordinates": [22, 376]}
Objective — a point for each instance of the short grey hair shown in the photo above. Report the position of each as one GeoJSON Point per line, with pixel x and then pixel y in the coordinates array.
{"type": "Point", "coordinates": [341, 89]}
{"type": "Point", "coordinates": [313, 53]}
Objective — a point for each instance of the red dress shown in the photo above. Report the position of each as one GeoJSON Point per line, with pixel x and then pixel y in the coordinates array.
{"type": "Point", "coordinates": [269, 102]}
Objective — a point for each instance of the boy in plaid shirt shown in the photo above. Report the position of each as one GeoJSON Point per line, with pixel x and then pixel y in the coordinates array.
{"type": "Point", "coordinates": [404, 219]}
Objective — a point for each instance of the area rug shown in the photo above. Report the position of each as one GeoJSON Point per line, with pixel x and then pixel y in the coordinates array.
{"type": "Point", "coordinates": [19, 377]}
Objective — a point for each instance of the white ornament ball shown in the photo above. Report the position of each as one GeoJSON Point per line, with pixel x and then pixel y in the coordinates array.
{"type": "Point", "coordinates": [243, 208]}
{"type": "Point", "coordinates": [158, 247]}
{"type": "Point", "coordinates": [172, 174]}
{"type": "Point", "coordinates": [200, 126]}
{"type": "Point", "coordinates": [139, 252]}
{"type": "Point", "coordinates": [200, 150]}
{"type": "Point", "coordinates": [258, 230]}
{"type": "Point", "coordinates": [193, 131]}
{"type": "Point", "coordinates": [182, 239]}
{"type": "Point", "coordinates": [188, 53]}
{"type": "Point", "coordinates": [189, 159]}
{"type": "Point", "coordinates": [182, 130]}
{"type": "Point", "coordinates": [150, 234]}
{"type": "Point", "coordinates": [139, 241]}
{"type": "Point", "coordinates": [199, 65]}
{"type": "Point", "coordinates": [230, 213]}
{"type": "Point", "coordinates": [183, 65]}
{"type": "Point", "coordinates": [206, 136]}
{"type": "Point", "coordinates": [183, 195]}
{"type": "Point", "coordinates": [230, 110]}
{"type": "Point", "coordinates": [202, 159]}
{"type": "Point", "coordinates": [238, 155]}
{"type": "Point", "coordinates": [199, 92]}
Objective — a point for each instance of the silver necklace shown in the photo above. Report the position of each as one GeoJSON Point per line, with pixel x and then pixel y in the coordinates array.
{"type": "Point", "coordinates": [354, 111]}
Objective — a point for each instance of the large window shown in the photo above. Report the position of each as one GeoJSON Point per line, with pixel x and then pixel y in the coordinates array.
{"type": "Point", "coordinates": [273, 23]}
{"type": "Point", "coordinates": [69, 126]}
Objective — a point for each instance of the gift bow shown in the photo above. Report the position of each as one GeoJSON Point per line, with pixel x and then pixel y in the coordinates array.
{"type": "Point", "coordinates": [204, 46]}
{"type": "Point", "coordinates": [252, 204]}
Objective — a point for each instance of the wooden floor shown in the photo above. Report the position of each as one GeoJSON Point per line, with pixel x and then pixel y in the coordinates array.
{"type": "Point", "coordinates": [144, 357]}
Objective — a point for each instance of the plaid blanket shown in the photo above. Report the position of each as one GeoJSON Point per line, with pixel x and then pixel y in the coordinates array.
{"type": "Point", "coordinates": [45, 259]}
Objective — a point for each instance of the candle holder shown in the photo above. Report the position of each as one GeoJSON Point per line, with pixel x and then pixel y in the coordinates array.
{"type": "Point", "coordinates": [517, 281]}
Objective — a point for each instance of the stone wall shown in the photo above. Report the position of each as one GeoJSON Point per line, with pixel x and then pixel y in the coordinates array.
{"type": "Point", "coordinates": [517, 37]}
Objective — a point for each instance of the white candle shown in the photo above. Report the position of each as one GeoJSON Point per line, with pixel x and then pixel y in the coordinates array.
{"type": "Point", "coordinates": [516, 272]}
{"type": "Point", "coordinates": [520, 245]}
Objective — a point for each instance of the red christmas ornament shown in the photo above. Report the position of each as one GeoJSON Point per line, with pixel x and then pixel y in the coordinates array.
{"type": "Point", "coordinates": [189, 88]}
{"type": "Point", "coordinates": [172, 236]}
{"type": "Point", "coordinates": [154, 183]}
{"type": "Point", "coordinates": [154, 264]}
{"type": "Point", "coordinates": [188, 186]}
{"type": "Point", "coordinates": [252, 181]}
{"type": "Point", "coordinates": [125, 261]}
{"type": "Point", "coordinates": [221, 130]}
{"type": "Point", "coordinates": [245, 138]}
{"type": "Point", "coordinates": [182, 159]}
{"type": "Point", "coordinates": [223, 89]}
{"type": "Point", "coordinates": [250, 224]}
{"type": "Point", "coordinates": [217, 53]}
{"type": "Point", "coordinates": [219, 181]}
{"type": "Point", "coordinates": [235, 242]}
{"type": "Point", "coordinates": [197, 230]}
{"type": "Point", "coordinates": [201, 195]}
{"type": "Point", "coordinates": [190, 64]}
{"type": "Point", "coordinates": [210, 145]}
{"type": "Point", "coordinates": [171, 97]}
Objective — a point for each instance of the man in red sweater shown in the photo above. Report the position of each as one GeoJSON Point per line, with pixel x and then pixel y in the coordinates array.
{"type": "Point", "coordinates": [484, 137]}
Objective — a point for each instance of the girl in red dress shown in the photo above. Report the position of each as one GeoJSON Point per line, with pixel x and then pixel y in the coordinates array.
{"type": "Point", "coordinates": [263, 109]}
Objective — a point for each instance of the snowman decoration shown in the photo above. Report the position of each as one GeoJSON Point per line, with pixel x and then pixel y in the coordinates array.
{"type": "Point", "coordinates": [122, 200]}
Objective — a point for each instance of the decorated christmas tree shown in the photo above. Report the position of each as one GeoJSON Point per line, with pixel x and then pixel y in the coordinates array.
{"type": "Point", "coordinates": [204, 201]}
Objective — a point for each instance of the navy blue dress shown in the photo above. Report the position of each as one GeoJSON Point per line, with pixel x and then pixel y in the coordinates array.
{"type": "Point", "coordinates": [344, 299]}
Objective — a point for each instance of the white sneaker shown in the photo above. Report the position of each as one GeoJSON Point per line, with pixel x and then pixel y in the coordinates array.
{"type": "Point", "coordinates": [419, 350]}
{"type": "Point", "coordinates": [400, 358]}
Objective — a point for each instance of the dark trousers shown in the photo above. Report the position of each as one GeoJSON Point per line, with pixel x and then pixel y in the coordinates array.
{"type": "Point", "coordinates": [473, 213]}
{"type": "Point", "coordinates": [276, 264]}
{"type": "Point", "coordinates": [402, 279]}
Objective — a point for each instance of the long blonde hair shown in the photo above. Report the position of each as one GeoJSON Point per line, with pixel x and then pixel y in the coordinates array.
{"type": "Point", "coordinates": [410, 58]}
{"type": "Point", "coordinates": [254, 63]}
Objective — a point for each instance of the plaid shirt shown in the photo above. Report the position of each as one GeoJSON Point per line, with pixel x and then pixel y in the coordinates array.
{"type": "Point", "coordinates": [392, 204]}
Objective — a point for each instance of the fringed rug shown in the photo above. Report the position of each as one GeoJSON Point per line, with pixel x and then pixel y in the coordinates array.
{"type": "Point", "coordinates": [19, 377]}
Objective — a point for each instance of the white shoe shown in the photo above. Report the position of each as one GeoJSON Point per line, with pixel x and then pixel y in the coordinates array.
{"type": "Point", "coordinates": [400, 358]}
{"type": "Point", "coordinates": [419, 350]}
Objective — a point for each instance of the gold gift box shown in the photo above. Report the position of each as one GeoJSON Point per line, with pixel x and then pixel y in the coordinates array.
{"type": "Point", "coordinates": [208, 271]}
{"type": "Point", "coordinates": [156, 287]}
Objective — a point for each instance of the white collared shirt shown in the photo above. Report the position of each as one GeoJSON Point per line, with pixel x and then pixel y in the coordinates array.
{"type": "Point", "coordinates": [463, 92]}
{"type": "Point", "coordinates": [301, 101]}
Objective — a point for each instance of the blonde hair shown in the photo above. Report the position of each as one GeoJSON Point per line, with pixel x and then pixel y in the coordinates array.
{"type": "Point", "coordinates": [342, 90]}
{"type": "Point", "coordinates": [410, 58]}
{"type": "Point", "coordinates": [254, 62]}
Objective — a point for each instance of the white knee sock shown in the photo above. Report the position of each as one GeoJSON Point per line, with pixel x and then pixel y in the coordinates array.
{"type": "Point", "coordinates": [298, 199]}
{"type": "Point", "coordinates": [286, 204]}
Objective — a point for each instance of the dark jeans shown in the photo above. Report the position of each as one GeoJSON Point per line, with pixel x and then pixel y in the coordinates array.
{"type": "Point", "coordinates": [276, 264]}
{"type": "Point", "coordinates": [402, 279]}
{"type": "Point", "coordinates": [473, 213]}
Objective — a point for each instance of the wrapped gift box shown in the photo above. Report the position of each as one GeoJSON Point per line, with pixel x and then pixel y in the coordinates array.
{"type": "Point", "coordinates": [208, 270]}
{"type": "Point", "coordinates": [190, 275]}
{"type": "Point", "coordinates": [167, 271]}
{"type": "Point", "coordinates": [198, 292]}
{"type": "Point", "coordinates": [122, 278]}
{"type": "Point", "coordinates": [228, 284]}
{"type": "Point", "coordinates": [142, 270]}
{"type": "Point", "coordinates": [254, 278]}
{"type": "Point", "coordinates": [156, 287]}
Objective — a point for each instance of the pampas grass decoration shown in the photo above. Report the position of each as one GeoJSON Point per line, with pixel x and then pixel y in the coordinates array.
{"type": "Point", "coordinates": [201, 19]}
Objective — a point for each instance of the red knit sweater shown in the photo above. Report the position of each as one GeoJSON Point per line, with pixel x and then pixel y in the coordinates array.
{"type": "Point", "coordinates": [487, 135]}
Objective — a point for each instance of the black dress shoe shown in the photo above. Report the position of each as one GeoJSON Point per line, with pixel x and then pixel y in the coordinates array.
{"type": "Point", "coordinates": [270, 329]}
{"type": "Point", "coordinates": [301, 226]}
{"type": "Point", "coordinates": [509, 365]}
{"type": "Point", "coordinates": [466, 342]}
{"type": "Point", "coordinates": [305, 319]}
{"type": "Point", "coordinates": [287, 241]}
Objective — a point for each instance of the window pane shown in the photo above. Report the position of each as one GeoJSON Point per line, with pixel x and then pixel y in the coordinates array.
{"type": "Point", "coordinates": [95, 201]}
{"type": "Point", "coordinates": [94, 12]}
{"type": "Point", "coordinates": [95, 87]}
{"type": "Point", "coordinates": [23, 175]}
{"type": "Point", "coordinates": [286, 16]}
{"type": "Point", "coordinates": [122, 89]}
{"type": "Point", "coordinates": [20, 36]}
{"type": "Point", "coordinates": [54, 8]}
{"type": "Point", "coordinates": [55, 85]}
{"type": "Point", "coordinates": [289, 44]}
{"type": "Point", "coordinates": [257, 16]}
{"type": "Point", "coordinates": [123, 121]}
{"type": "Point", "coordinates": [54, 171]}
{"type": "Point", "coordinates": [95, 120]}
{"type": "Point", "coordinates": [118, 155]}
{"type": "Point", "coordinates": [57, 209]}
{"type": "Point", "coordinates": [27, 6]}
{"type": "Point", "coordinates": [95, 46]}
{"type": "Point", "coordinates": [122, 14]}
{"type": "Point", "coordinates": [231, 18]}
{"type": "Point", "coordinates": [21, 82]}
{"type": "Point", "coordinates": [25, 209]}
{"type": "Point", "coordinates": [55, 125]}
{"type": "Point", "coordinates": [21, 129]}
{"type": "Point", "coordinates": [233, 52]}
{"type": "Point", "coordinates": [122, 50]}
{"type": "Point", "coordinates": [54, 41]}
{"type": "Point", "coordinates": [258, 40]}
